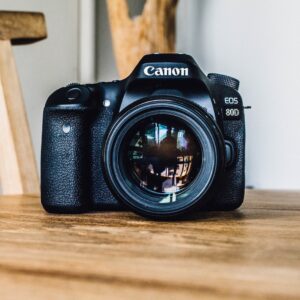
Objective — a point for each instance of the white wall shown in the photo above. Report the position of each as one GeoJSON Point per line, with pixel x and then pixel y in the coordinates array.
{"type": "Point", "coordinates": [259, 43]}
{"type": "Point", "coordinates": [48, 64]}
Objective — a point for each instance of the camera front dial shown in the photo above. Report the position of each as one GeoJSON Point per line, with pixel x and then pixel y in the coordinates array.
{"type": "Point", "coordinates": [162, 157]}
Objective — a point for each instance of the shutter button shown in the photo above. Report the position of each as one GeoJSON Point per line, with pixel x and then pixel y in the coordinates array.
{"type": "Point", "coordinates": [73, 94]}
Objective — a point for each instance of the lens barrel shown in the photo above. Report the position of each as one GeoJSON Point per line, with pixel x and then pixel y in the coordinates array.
{"type": "Point", "coordinates": [163, 157]}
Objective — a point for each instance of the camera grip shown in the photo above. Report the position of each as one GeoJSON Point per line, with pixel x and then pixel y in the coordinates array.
{"type": "Point", "coordinates": [65, 160]}
{"type": "Point", "coordinates": [232, 191]}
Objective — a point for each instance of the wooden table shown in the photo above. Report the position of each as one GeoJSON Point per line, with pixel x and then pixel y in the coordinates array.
{"type": "Point", "coordinates": [252, 253]}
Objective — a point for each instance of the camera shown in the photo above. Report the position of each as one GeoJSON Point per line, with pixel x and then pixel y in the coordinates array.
{"type": "Point", "coordinates": [166, 141]}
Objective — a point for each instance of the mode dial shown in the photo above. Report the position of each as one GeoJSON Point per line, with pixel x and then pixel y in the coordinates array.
{"type": "Point", "coordinates": [224, 80]}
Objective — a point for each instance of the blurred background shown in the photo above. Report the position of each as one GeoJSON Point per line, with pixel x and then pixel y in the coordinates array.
{"type": "Point", "coordinates": [255, 41]}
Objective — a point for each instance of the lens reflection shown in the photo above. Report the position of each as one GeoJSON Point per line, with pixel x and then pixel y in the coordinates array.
{"type": "Point", "coordinates": [163, 154]}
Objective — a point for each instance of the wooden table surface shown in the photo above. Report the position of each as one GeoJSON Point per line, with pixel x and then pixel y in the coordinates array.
{"type": "Point", "coordinates": [252, 253]}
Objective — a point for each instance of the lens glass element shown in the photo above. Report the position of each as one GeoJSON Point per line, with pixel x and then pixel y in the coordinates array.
{"type": "Point", "coordinates": [162, 154]}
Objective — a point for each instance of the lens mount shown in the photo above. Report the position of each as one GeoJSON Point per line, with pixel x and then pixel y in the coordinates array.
{"type": "Point", "coordinates": [138, 172]}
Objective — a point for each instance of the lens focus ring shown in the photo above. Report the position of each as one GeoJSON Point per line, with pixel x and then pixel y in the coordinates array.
{"type": "Point", "coordinates": [149, 164]}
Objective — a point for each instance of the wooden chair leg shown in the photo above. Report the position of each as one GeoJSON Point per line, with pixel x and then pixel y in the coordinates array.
{"type": "Point", "coordinates": [18, 172]}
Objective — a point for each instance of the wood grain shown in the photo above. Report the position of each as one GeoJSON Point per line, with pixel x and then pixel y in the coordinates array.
{"type": "Point", "coordinates": [22, 27]}
{"type": "Point", "coordinates": [152, 31]}
{"type": "Point", "coordinates": [252, 253]}
{"type": "Point", "coordinates": [18, 172]}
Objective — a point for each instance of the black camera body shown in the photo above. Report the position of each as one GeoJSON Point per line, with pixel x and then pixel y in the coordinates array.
{"type": "Point", "coordinates": [164, 141]}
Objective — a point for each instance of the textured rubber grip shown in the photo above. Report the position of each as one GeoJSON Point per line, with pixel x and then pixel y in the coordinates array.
{"type": "Point", "coordinates": [65, 161]}
{"type": "Point", "coordinates": [224, 80]}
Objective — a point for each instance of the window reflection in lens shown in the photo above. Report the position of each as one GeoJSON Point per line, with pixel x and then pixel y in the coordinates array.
{"type": "Point", "coordinates": [163, 155]}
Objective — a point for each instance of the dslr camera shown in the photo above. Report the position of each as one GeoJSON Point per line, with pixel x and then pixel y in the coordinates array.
{"type": "Point", "coordinates": [165, 141]}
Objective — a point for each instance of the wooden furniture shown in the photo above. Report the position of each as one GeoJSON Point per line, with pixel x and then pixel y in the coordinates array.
{"type": "Point", "coordinates": [18, 173]}
{"type": "Point", "coordinates": [152, 31]}
{"type": "Point", "coordinates": [252, 253]}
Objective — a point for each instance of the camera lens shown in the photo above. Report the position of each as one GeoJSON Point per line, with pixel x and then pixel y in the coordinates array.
{"type": "Point", "coordinates": [161, 154]}
{"type": "Point", "coordinates": [162, 157]}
